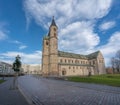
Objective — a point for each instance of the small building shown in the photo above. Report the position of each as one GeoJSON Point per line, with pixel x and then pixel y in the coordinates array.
{"type": "Point", "coordinates": [31, 68]}
{"type": "Point", "coordinates": [6, 69]}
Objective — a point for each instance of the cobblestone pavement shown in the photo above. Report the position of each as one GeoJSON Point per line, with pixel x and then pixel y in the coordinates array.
{"type": "Point", "coordinates": [44, 91]}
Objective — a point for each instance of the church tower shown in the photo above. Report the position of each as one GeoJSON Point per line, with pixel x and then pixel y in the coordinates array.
{"type": "Point", "coordinates": [50, 51]}
{"type": "Point", "coordinates": [53, 49]}
{"type": "Point", "coordinates": [45, 56]}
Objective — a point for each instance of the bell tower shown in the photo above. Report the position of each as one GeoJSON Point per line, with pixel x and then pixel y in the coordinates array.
{"type": "Point", "coordinates": [50, 51]}
{"type": "Point", "coordinates": [45, 56]}
{"type": "Point", "coordinates": [53, 49]}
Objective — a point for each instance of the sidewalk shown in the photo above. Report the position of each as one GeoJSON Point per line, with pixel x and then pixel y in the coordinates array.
{"type": "Point", "coordinates": [10, 97]}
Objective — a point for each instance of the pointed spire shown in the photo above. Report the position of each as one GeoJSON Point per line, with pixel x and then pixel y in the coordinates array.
{"type": "Point", "coordinates": [53, 22]}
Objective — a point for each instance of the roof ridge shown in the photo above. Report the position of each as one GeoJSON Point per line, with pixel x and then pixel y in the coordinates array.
{"type": "Point", "coordinates": [94, 52]}
{"type": "Point", "coordinates": [73, 55]}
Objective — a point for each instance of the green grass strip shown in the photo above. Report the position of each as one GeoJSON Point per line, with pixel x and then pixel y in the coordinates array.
{"type": "Point", "coordinates": [1, 81]}
{"type": "Point", "coordinates": [112, 80]}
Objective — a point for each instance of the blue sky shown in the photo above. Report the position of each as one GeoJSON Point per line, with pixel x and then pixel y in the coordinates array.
{"type": "Point", "coordinates": [84, 26]}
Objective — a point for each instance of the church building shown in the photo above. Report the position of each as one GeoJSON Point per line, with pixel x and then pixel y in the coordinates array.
{"type": "Point", "coordinates": [60, 63]}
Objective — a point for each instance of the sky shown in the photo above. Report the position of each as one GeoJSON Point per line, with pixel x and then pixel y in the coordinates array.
{"type": "Point", "coordinates": [84, 26]}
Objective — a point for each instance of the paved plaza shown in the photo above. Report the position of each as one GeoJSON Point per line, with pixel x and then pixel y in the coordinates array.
{"type": "Point", "coordinates": [10, 96]}
{"type": "Point", "coordinates": [43, 91]}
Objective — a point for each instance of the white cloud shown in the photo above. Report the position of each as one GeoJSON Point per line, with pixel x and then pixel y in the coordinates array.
{"type": "Point", "coordinates": [65, 11]}
{"type": "Point", "coordinates": [22, 47]}
{"type": "Point", "coordinates": [107, 25]}
{"type": "Point", "coordinates": [3, 31]}
{"type": "Point", "coordinates": [26, 58]}
{"type": "Point", "coordinates": [111, 47]}
{"type": "Point", "coordinates": [2, 35]}
{"type": "Point", "coordinates": [78, 37]}
{"type": "Point", "coordinates": [16, 42]}
{"type": "Point", "coordinates": [70, 16]}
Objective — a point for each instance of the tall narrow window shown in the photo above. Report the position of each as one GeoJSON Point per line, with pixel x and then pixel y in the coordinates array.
{"type": "Point", "coordinates": [47, 43]}
{"type": "Point", "coordinates": [90, 63]}
{"type": "Point", "coordinates": [54, 29]}
{"type": "Point", "coordinates": [65, 60]}
{"type": "Point", "coordinates": [55, 34]}
{"type": "Point", "coordinates": [72, 61]}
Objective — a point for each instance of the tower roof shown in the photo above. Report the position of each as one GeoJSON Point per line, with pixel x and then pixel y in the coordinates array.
{"type": "Point", "coordinates": [53, 22]}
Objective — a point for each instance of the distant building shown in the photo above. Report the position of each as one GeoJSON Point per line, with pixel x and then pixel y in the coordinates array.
{"type": "Point", "coordinates": [6, 68]}
{"type": "Point", "coordinates": [31, 68]}
{"type": "Point", "coordinates": [109, 70]}
{"type": "Point", "coordinates": [59, 63]}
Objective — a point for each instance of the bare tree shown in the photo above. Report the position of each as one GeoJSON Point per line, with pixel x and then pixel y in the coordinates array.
{"type": "Point", "coordinates": [115, 62]}
{"type": "Point", "coordinates": [118, 61]}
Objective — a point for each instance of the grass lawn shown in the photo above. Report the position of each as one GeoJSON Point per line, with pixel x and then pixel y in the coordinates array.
{"type": "Point", "coordinates": [108, 79]}
{"type": "Point", "coordinates": [1, 81]}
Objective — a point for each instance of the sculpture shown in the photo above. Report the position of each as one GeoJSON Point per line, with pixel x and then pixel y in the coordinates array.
{"type": "Point", "coordinates": [16, 67]}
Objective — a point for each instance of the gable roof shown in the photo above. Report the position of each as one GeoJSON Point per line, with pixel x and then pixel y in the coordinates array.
{"type": "Point", "coordinates": [78, 56]}
{"type": "Point", "coordinates": [71, 55]}
{"type": "Point", "coordinates": [93, 55]}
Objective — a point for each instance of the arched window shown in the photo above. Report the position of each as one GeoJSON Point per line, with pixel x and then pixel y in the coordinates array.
{"type": "Point", "coordinates": [54, 34]}
{"type": "Point", "coordinates": [54, 29]}
{"type": "Point", "coordinates": [65, 60]}
{"type": "Point", "coordinates": [47, 43]}
{"type": "Point", "coordinates": [63, 72]}
{"type": "Point", "coordinates": [90, 63]}
{"type": "Point", "coordinates": [81, 62]}
{"type": "Point", "coordinates": [72, 61]}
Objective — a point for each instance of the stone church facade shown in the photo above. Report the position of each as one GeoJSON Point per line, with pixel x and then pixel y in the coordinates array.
{"type": "Point", "coordinates": [59, 63]}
